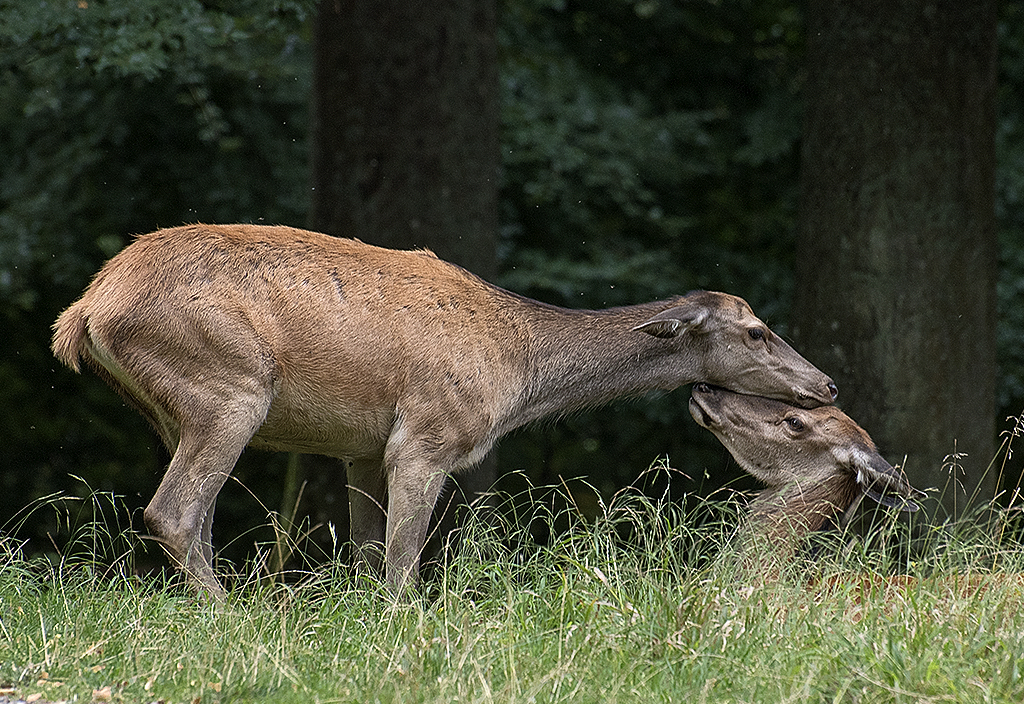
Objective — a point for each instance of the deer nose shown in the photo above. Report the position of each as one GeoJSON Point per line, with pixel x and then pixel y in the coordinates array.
{"type": "Point", "coordinates": [833, 389]}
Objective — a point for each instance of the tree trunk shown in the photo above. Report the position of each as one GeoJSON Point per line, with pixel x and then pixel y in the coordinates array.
{"type": "Point", "coordinates": [405, 149]}
{"type": "Point", "coordinates": [897, 249]}
{"type": "Point", "coordinates": [405, 126]}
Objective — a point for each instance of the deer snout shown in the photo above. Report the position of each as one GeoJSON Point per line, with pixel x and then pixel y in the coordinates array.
{"type": "Point", "coordinates": [701, 398]}
{"type": "Point", "coordinates": [702, 388]}
{"type": "Point", "coordinates": [824, 396]}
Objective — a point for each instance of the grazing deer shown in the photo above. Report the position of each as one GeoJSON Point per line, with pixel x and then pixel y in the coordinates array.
{"type": "Point", "coordinates": [406, 367]}
{"type": "Point", "coordinates": [816, 462]}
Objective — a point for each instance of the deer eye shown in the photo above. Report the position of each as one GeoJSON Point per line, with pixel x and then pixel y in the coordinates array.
{"type": "Point", "coordinates": [756, 333]}
{"type": "Point", "coordinates": [795, 424]}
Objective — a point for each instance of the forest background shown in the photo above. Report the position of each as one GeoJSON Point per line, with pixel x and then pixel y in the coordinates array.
{"type": "Point", "coordinates": [647, 148]}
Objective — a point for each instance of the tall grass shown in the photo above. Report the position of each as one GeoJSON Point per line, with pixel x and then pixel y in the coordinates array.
{"type": "Point", "coordinates": [642, 605]}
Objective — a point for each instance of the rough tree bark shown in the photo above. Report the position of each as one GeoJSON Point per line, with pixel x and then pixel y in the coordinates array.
{"type": "Point", "coordinates": [897, 249]}
{"type": "Point", "coordinates": [405, 126]}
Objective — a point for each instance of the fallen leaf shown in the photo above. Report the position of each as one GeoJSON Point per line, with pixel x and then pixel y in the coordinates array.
{"type": "Point", "coordinates": [103, 694]}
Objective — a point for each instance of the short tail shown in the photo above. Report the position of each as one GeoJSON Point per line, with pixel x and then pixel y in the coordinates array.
{"type": "Point", "coordinates": [69, 336]}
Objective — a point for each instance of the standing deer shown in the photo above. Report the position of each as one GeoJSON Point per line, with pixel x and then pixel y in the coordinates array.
{"type": "Point", "coordinates": [406, 367]}
{"type": "Point", "coordinates": [816, 462]}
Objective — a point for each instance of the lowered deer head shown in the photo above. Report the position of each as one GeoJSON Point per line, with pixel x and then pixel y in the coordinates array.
{"type": "Point", "coordinates": [817, 463]}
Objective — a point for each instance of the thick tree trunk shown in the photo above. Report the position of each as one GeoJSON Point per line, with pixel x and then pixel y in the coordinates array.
{"type": "Point", "coordinates": [405, 126]}
{"type": "Point", "coordinates": [897, 250]}
{"type": "Point", "coordinates": [405, 148]}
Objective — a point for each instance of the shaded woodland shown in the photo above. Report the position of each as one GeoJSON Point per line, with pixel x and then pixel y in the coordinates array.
{"type": "Point", "coordinates": [638, 149]}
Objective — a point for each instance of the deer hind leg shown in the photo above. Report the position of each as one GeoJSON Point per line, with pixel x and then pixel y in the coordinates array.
{"type": "Point", "coordinates": [206, 540]}
{"type": "Point", "coordinates": [180, 515]}
{"type": "Point", "coordinates": [205, 380]}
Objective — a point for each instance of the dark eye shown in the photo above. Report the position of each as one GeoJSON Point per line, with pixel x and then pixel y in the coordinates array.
{"type": "Point", "coordinates": [756, 333]}
{"type": "Point", "coordinates": [795, 424]}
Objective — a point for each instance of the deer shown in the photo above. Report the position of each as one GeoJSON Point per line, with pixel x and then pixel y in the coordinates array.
{"type": "Point", "coordinates": [817, 465]}
{"type": "Point", "coordinates": [403, 366]}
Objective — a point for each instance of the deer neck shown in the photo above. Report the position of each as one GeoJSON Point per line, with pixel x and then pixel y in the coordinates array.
{"type": "Point", "coordinates": [792, 512]}
{"type": "Point", "coordinates": [581, 359]}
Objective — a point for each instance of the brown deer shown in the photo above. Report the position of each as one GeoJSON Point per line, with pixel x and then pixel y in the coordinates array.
{"type": "Point", "coordinates": [406, 367]}
{"type": "Point", "coordinates": [817, 464]}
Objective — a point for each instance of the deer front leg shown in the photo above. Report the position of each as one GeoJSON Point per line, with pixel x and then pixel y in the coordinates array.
{"type": "Point", "coordinates": [413, 488]}
{"type": "Point", "coordinates": [367, 513]}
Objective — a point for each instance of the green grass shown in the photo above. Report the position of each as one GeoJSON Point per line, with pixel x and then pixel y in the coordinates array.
{"type": "Point", "coordinates": [634, 608]}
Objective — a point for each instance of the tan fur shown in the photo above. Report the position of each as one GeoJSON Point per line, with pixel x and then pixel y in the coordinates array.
{"type": "Point", "coordinates": [815, 462]}
{"type": "Point", "coordinates": [405, 366]}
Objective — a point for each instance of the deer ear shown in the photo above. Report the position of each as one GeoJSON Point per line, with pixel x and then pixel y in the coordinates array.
{"type": "Point", "coordinates": [674, 321]}
{"type": "Point", "coordinates": [878, 479]}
